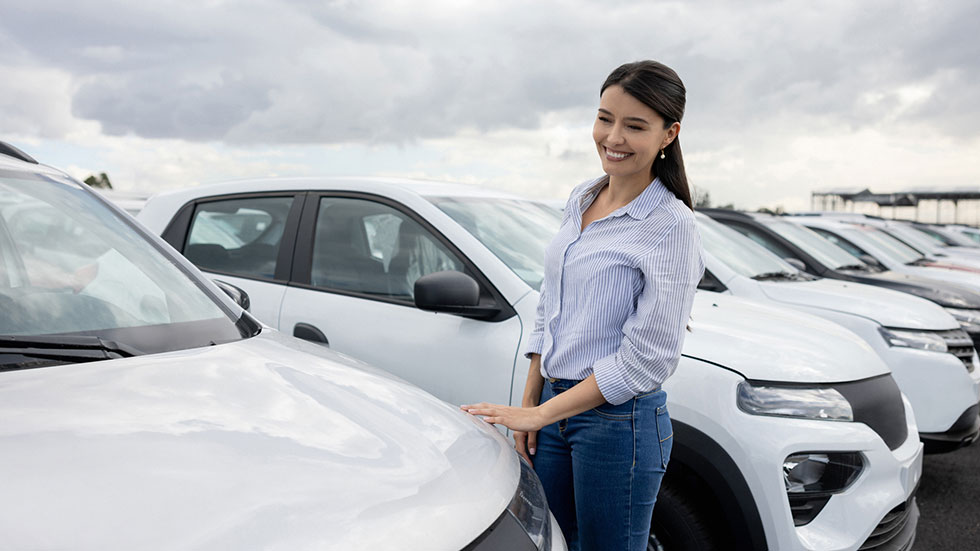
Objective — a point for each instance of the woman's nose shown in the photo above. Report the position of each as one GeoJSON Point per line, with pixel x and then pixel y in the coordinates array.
{"type": "Point", "coordinates": [616, 134]}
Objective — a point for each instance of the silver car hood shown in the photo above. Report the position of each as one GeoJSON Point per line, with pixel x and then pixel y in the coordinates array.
{"type": "Point", "coordinates": [268, 443]}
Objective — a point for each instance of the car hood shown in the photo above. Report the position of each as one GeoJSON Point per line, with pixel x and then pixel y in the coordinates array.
{"type": "Point", "coordinates": [940, 292]}
{"type": "Point", "coordinates": [887, 307]}
{"type": "Point", "coordinates": [769, 343]}
{"type": "Point", "coordinates": [268, 443]}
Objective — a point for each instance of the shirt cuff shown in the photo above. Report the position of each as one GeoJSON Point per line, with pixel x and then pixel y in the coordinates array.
{"type": "Point", "coordinates": [612, 384]}
{"type": "Point", "coordinates": [535, 343]}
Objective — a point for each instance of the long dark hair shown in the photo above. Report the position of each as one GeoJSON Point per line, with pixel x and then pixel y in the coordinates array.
{"type": "Point", "coordinates": [658, 87]}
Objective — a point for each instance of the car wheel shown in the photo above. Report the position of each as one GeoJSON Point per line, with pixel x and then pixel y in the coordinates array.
{"type": "Point", "coordinates": [679, 524]}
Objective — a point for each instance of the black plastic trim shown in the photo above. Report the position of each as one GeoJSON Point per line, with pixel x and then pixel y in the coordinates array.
{"type": "Point", "coordinates": [505, 534]}
{"type": "Point", "coordinates": [710, 462]}
{"type": "Point", "coordinates": [12, 151]}
{"type": "Point", "coordinates": [963, 432]}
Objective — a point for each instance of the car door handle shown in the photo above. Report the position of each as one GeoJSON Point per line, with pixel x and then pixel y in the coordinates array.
{"type": "Point", "coordinates": [308, 332]}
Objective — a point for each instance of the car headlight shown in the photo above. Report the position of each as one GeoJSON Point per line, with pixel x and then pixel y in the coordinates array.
{"type": "Point", "coordinates": [530, 507]}
{"type": "Point", "coordinates": [969, 319]}
{"type": "Point", "coordinates": [923, 340]}
{"type": "Point", "coordinates": [812, 478]}
{"type": "Point", "coordinates": [826, 404]}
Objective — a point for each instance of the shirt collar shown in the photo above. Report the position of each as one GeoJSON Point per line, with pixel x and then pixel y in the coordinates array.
{"type": "Point", "coordinates": [638, 209]}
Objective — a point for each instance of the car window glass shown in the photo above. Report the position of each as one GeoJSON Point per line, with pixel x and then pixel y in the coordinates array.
{"type": "Point", "coordinates": [238, 236]}
{"type": "Point", "coordinates": [369, 247]}
{"type": "Point", "coordinates": [893, 247]}
{"type": "Point", "coordinates": [738, 252]}
{"type": "Point", "coordinates": [516, 231]}
{"type": "Point", "coordinates": [71, 265]}
{"type": "Point", "coordinates": [764, 240]}
{"type": "Point", "coordinates": [851, 248]}
{"type": "Point", "coordinates": [823, 250]}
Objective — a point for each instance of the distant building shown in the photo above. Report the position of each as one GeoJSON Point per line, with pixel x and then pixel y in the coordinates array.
{"type": "Point", "coordinates": [958, 206]}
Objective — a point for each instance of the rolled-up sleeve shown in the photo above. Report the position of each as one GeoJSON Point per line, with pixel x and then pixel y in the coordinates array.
{"type": "Point", "coordinates": [535, 340]}
{"type": "Point", "coordinates": [653, 334]}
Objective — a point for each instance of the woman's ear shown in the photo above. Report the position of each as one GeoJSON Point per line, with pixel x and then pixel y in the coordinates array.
{"type": "Point", "coordinates": [672, 131]}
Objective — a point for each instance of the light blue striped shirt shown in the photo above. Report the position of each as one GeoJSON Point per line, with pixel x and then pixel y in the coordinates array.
{"type": "Point", "coordinates": [617, 297]}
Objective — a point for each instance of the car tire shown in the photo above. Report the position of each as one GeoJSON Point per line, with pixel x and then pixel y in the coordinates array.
{"type": "Point", "coordinates": [679, 524]}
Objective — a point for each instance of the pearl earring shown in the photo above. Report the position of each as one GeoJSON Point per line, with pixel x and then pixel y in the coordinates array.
{"type": "Point", "coordinates": [662, 155]}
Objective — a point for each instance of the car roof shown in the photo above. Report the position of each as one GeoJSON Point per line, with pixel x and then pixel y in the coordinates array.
{"type": "Point", "coordinates": [378, 184]}
{"type": "Point", "coordinates": [12, 163]}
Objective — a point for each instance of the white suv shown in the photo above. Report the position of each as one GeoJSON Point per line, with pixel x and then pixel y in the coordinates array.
{"type": "Point", "coordinates": [140, 408]}
{"type": "Point", "coordinates": [930, 355]}
{"type": "Point", "coordinates": [789, 431]}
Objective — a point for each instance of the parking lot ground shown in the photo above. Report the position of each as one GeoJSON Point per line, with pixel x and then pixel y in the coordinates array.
{"type": "Point", "coordinates": [949, 501]}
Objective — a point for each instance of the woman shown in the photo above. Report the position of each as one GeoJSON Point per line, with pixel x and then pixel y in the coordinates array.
{"type": "Point", "coordinates": [619, 284]}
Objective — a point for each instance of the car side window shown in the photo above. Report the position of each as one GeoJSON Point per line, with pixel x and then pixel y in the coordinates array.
{"type": "Point", "coordinates": [369, 247]}
{"type": "Point", "coordinates": [238, 236]}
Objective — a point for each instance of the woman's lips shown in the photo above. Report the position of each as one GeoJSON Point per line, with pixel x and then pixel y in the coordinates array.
{"type": "Point", "coordinates": [613, 155]}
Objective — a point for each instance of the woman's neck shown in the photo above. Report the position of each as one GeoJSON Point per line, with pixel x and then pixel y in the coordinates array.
{"type": "Point", "coordinates": [621, 191]}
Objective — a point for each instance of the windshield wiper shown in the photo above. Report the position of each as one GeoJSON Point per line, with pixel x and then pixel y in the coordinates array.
{"type": "Point", "coordinates": [43, 350]}
{"type": "Point", "coordinates": [767, 276]}
{"type": "Point", "coordinates": [920, 262]}
{"type": "Point", "coordinates": [856, 267]}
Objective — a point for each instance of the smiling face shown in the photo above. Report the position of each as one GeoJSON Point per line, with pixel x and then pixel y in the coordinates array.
{"type": "Point", "coordinates": [629, 135]}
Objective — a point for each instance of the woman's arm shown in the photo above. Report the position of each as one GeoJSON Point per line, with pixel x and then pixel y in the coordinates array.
{"type": "Point", "coordinates": [653, 335]}
{"type": "Point", "coordinates": [581, 397]}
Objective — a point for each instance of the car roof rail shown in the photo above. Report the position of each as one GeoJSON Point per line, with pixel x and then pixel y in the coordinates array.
{"type": "Point", "coordinates": [729, 212]}
{"type": "Point", "coordinates": [11, 151]}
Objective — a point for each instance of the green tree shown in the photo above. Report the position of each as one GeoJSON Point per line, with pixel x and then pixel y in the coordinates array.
{"type": "Point", "coordinates": [101, 181]}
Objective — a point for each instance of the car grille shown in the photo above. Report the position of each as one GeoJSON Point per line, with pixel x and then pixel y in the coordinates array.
{"type": "Point", "coordinates": [895, 532]}
{"type": "Point", "coordinates": [960, 345]}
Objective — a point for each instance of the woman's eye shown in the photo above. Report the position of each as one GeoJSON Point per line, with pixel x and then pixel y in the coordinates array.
{"type": "Point", "coordinates": [634, 127]}
{"type": "Point", "coordinates": [604, 119]}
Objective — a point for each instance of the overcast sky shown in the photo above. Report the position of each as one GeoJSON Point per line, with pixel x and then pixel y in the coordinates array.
{"type": "Point", "coordinates": [783, 97]}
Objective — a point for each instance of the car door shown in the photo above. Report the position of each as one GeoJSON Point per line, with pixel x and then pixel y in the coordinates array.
{"type": "Point", "coordinates": [246, 240]}
{"type": "Point", "coordinates": [356, 262]}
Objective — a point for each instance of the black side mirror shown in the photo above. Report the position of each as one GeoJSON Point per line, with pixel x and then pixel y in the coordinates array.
{"type": "Point", "coordinates": [236, 293]}
{"type": "Point", "coordinates": [711, 283]}
{"type": "Point", "coordinates": [451, 292]}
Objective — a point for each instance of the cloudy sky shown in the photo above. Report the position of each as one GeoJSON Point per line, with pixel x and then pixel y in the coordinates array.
{"type": "Point", "coordinates": [783, 97]}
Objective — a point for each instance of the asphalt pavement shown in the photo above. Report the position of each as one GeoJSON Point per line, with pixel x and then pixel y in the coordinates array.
{"type": "Point", "coordinates": [949, 501]}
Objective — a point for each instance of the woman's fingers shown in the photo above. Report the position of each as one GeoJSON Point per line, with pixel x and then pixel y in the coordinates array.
{"type": "Point", "coordinates": [532, 443]}
{"type": "Point", "coordinates": [520, 444]}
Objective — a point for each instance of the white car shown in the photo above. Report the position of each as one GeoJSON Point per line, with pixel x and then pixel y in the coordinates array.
{"type": "Point", "coordinates": [952, 234]}
{"type": "Point", "coordinates": [924, 243]}
{"type": "Point", "coordinates": [931, 357]}
{"type": "Point", "coordinates": [780, 440]}
{"type": "Point", "coordinates": [140, 408]}
{"type": "Point", "coordinates": [877, 247]}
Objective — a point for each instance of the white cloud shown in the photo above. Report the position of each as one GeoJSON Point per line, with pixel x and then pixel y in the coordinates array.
{"type": "Point", "coordinates": [782, 97]}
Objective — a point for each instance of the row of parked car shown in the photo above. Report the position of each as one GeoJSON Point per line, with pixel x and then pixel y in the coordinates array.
{"type": "Point", "coordinates": [812, 380]}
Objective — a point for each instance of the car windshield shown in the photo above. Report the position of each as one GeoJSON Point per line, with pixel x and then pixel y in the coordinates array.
{"type": "Point", "coordinates": [819, 248]}
{"type": "Point", "coordinates": [740, 253]}
{"type": "Point", "coordinates": [72, 267]}
{"type": "Point", "coordinates": [893, 247]}
{"type": "Point", "coordinates": [516, 231]}
{"type": "Point", "coordinates": [913, 239]}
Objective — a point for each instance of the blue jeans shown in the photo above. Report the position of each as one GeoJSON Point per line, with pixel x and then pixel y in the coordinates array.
{"type": "Point", "coordinates": [602, 468]}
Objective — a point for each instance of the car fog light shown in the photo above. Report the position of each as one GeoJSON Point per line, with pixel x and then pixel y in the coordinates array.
{"type": "Point", "coordinates": [812, 478]}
